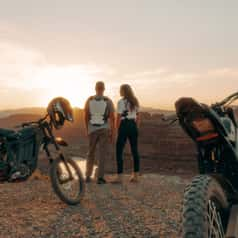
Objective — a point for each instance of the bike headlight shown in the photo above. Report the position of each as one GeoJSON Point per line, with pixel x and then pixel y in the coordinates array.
{"type": "Point", "coordinates": [203, 125]}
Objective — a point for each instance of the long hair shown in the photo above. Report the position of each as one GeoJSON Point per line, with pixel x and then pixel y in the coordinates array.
{"type": "Point", "coordinates": [129, 96]}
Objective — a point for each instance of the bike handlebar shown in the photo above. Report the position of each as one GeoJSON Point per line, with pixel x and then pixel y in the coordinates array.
{"type": "Point", "coordinates": [172, 118]}
{"type": "Point", "coordinates": [228, 99]}
{"type": "Point", "coordinates": [32, 122]}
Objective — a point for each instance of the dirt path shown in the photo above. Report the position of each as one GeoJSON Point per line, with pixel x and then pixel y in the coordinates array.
{"type": "Point", "coordinates": [148, 209]}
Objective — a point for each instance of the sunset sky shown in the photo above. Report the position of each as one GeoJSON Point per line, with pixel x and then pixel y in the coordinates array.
{"type": "Point", "coordinates": [164, 49]}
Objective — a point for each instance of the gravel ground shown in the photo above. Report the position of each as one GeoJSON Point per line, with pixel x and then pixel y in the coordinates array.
{"type": "Point", "coordinates": [150, 208]}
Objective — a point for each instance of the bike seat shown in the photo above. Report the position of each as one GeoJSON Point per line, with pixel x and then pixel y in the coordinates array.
{"type": "Point", "coordinates": [10, 134]}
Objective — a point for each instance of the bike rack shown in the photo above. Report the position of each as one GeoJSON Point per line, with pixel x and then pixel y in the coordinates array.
{"type": "Point", "coordinates": [232, 229]}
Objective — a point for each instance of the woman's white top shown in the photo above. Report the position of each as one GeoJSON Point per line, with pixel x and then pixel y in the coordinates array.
{"type": "Point", "coordinates": [123, 109]}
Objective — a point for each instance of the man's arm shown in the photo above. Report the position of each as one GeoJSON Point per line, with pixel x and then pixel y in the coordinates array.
{"type": "Point", "coordinates": [112, 119]}
{"type": "Point", "coordinates": [86, 115]}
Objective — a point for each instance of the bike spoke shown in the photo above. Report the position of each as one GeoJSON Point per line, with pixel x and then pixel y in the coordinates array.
{"type": "Point", "coordinates": [69, 183]}
{"type": "Point", "coordinates": [215, 229]}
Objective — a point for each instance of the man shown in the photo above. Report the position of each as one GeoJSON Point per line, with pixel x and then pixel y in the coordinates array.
{"type": "Point", "coordinates": [99, 120]}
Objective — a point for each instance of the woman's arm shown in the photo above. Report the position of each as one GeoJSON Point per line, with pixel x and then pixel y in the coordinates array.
{"type": "Point", "coordinates": [138, 119]}
{"type": "Point", "coordinates": [118, 115]}
{"type": "Point", "coordinates": [86, 120]}
{"type": "Point", "coordinates": [118, 121]}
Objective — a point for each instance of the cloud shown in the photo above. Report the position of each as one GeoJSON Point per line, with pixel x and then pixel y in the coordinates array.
{"type": "Point", "coordinates": [162, 87]}
{"type": "Point", "coordinates": [163, 78]}
{"type": "Point", "coordinates": [143, 74]}
{"type": "Point", "coordinates": [17, 63]}
{"type": "Point", "coordinates": [223, 72]}
{"type": "Point", "coordinates": [22, 67]}
{"type": "Point", "coordinates": [25, 71]}
{"type": "Point", "coordinates": [168, 77]}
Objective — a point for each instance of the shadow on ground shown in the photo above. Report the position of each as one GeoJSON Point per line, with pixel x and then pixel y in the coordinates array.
{"type": "Point", "coordinates": [150, 208]}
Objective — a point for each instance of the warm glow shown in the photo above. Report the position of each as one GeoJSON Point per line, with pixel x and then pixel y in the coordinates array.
{"type": "Point", "coordinates": [164, 49]}
{"type": "Point", "coordinates": [75, 92]}
{"type": "Point", "coordinates": [73, 83]}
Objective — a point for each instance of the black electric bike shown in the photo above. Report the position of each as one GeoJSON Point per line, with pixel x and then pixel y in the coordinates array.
{"type": "Point", "coordinates": [19, 152]}
{"type": "Point", "coordinates": [210, 198]}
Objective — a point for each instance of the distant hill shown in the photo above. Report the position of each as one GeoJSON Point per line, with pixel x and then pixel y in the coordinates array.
{"type": "Point", "coordinates": [155, 110]}
{"type": "Point", "coordinates": [30, 110]}
{"type": "Point", "coordinates": [71, 131]}
{"type": "Point", "coordinates": [13, 120]}
{"type": "Point", "coordinates": [41, 111]}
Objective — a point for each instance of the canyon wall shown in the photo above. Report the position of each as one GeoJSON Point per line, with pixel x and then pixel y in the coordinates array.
{"type": "Point", "coordinates": [160, 144]}
{"type": "Point", "coordinates": [158, 139]}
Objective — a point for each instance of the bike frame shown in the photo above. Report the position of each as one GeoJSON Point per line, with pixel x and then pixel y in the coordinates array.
{"type": "Point", "coordinates": [49, 138]}
{"type": "Point", "coordinates": [218, 157]}
{"type": "Point", "coordinates": [42, 135]}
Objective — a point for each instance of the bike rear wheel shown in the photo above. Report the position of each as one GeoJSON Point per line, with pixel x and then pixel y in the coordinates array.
{"type": "Point", "coordinates": [205, 209]}
{"type": "Point", "coordinates": [67, 180]}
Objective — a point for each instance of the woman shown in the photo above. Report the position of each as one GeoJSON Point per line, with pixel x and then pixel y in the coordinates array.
{"type": "Point", "coordinates": [127, 125]}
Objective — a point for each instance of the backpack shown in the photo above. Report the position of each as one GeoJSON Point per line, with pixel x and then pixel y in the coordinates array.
{"type": "Point", "coordinates": [98, 111]}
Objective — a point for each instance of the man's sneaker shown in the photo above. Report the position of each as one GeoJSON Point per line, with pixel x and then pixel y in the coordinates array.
{"type": "Point", "coordinates": [101, 181]}
{"type": "Point", "coordinates": [88, 179]}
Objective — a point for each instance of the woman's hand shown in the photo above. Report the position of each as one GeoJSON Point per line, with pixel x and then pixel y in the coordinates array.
{"type": "Point", "coordinates": [112, 135]}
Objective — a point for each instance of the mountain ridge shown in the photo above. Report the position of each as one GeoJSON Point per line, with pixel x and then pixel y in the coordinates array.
{"type": "Point", "coordinates": [42, 110]}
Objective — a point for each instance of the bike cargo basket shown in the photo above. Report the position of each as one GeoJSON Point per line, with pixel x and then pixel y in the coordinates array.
{"type": "Point", "coordinates": [26, 147]}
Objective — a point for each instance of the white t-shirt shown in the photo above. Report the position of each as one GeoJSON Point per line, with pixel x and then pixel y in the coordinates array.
{"type": "Point", "coordinates": [123, 108]}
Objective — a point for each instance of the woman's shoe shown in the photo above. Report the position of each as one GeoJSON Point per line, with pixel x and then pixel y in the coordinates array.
{"type": "Point", "coordinates": [134, 178]}
{"type": "Point", "coordinates": [117, 179]}
{"type": "Point", "coordinates": [101, 181]}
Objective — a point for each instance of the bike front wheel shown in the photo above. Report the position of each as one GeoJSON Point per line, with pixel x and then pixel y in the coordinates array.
{"type": "Point", "coordinates": [205, 209]}
{"type": "Point", "coordinates": [67, 180]}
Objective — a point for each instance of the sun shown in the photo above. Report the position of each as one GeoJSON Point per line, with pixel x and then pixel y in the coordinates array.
{"type": "Point", "coordinates": [72, 83]}
{"type": "Point", "coordinates": [76, 92]}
